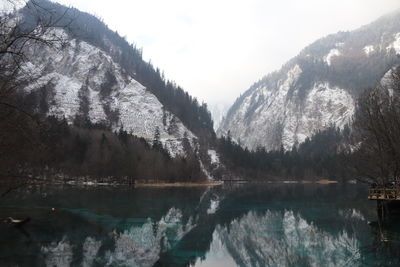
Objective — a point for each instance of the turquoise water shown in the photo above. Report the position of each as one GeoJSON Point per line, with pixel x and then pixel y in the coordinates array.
{"type": "Point", "coordinates": [231, 225]}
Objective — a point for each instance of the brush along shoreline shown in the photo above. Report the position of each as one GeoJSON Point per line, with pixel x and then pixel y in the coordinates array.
{"type": "Point", "coordinates": [180, 184]}
{"type": "Point", "coordinates": [150, 183]}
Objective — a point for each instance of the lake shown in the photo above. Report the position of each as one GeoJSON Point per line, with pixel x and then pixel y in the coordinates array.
{"type": "Point", "coordinates": [229, 225]}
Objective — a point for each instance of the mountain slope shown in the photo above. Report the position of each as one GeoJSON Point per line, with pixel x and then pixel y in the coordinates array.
{"type": "Point", "coordinates": [315, 89]}
{"type": "Point", "coordinates": [83, 82]}
{"type": "Point", "coordinates": [94, 75]}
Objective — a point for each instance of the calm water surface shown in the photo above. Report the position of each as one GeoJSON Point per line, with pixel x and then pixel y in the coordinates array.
{"type": "Point", "coordinates": [231, 225]}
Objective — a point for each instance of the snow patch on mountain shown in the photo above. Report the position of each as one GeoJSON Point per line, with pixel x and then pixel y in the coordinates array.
{"type": "Point", "coordinates": [396, 44]}
{"type": "Point", "coordinates": [213, 156]}
{"type": "Point", "coordinates": [332, 53]}
{"type": "Point", "coordinates": [79, 73]}
{"type": "Point", "coordinates": [325, 105]}
{"type": "Point", "coordinates": [369, 49]}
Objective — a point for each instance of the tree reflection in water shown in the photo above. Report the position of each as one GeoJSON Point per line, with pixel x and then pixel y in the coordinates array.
{"type": "Point", "coordinates": [274, 225]}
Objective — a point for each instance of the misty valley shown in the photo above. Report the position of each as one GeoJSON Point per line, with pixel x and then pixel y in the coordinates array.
{"type": "Point", "coordinates": [105, 160]}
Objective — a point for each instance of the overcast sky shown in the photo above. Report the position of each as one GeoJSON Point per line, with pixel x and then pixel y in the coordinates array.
{"type": "Point", "coordinates": [215, 49]}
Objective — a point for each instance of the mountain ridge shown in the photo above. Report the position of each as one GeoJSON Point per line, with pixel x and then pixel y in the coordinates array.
{"type": "Point", "coordinates": [283, 110]}
{"type": "Point", "coordinates": [96, 75]}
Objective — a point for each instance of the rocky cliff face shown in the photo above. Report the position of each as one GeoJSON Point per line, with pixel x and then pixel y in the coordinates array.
{"type": "Point", "coordinates": [89, 74]}
{"type": "Point", "coordinates": [317, 88]}
{"type": "Point", "coordinates": [77, 79]}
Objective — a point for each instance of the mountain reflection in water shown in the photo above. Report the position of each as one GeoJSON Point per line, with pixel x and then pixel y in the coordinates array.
{"type": "Point", "coordinates": [246, 225]}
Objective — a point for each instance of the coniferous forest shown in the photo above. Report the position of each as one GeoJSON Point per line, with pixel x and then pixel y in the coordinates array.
{"type": "Point", "coordinates": [323, 156]}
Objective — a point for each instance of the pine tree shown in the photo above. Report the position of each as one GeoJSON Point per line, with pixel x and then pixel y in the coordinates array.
{"type": "Point", "coordinates": [157, 140]}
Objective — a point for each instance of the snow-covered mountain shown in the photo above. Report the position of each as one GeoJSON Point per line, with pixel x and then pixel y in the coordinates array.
{"type": "Point", "coordinates": [79, 79]}
{"type": "Point", "coordinates": [86, 74]}
{"type": "Point", "coordinates": [317, 88]}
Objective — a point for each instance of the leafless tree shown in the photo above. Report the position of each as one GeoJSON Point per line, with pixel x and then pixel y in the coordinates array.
{"type": "Point", "coordinates": [19, 127]}
{"type": "Point", "coordinates": [377, 131]}
{"type": "Point", "coordinates": [16, 37]}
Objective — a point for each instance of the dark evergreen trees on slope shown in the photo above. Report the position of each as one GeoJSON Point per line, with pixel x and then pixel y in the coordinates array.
{"type": "Point", "coordinates": [323, 156]}
{"type": "Point", "coordinates": [86, 27]}
{"type": "Point", "coordinates": [95, 153]}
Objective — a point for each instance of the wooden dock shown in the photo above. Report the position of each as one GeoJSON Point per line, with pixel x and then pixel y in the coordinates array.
{"type": "Point", "coordinates": [384, 193]}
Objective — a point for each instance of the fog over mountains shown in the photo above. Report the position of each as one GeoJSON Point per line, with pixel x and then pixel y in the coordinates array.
{"type": "Point", "coordinates": [317, 88]}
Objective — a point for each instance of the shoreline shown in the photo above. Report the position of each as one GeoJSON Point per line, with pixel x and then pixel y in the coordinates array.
{"type": "Point", "coordinates": [324, 181]}
{"type": "Point", "coordinates": [160, 184]}
{"type": "Point", "coordinates": [180, 184]}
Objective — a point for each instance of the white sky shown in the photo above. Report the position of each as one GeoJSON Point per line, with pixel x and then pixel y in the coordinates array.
{"type": "Point", "coordinates": [216, 49]}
